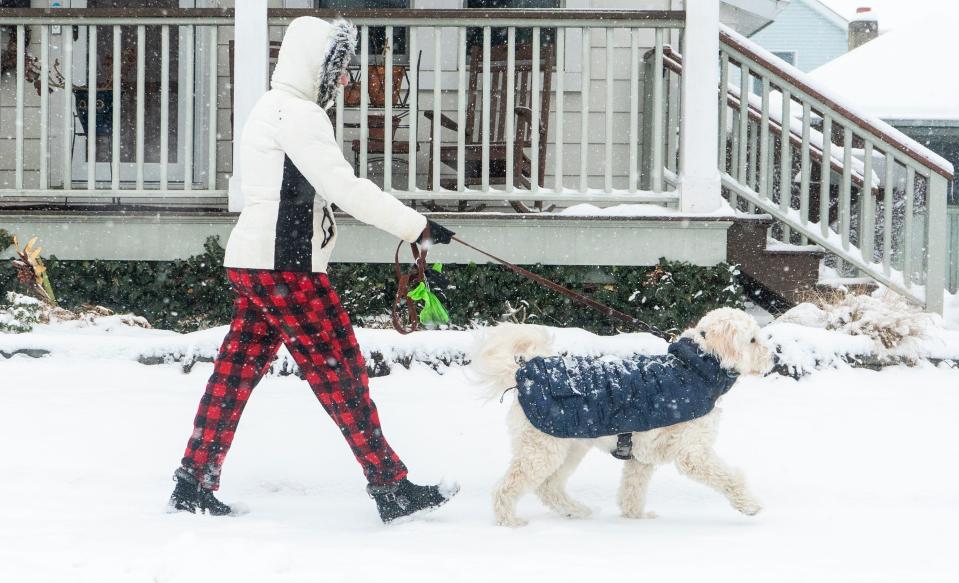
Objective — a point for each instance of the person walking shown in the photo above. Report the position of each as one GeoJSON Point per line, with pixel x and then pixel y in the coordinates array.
{"type": "Point", "coordinates": [292, 172]}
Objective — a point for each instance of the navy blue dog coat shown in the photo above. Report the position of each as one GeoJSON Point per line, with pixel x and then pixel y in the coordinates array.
{"type": "Point", "coordinates": [587, 397]}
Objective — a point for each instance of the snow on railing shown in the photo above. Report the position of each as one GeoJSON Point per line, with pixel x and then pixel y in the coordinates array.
{"type": "Point", "coordinates": [889, 224]}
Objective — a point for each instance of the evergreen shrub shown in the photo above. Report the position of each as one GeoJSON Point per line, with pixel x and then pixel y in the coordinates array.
{"type": "Point", "coordinates": [192, 294]}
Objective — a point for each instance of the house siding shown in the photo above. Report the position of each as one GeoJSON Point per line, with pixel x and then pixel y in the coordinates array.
{"type": "Point", "coordinates": [800, 28]}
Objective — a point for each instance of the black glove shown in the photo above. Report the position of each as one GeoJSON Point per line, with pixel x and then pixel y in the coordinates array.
{"type": "Point", "coordinates": [435, 233]}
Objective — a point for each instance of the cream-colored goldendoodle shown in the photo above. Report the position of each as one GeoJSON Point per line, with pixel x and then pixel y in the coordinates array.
{"type": "Point", "coordinates": [542, 463]}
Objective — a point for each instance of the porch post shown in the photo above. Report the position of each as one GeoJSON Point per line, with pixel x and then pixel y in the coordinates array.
{"type": "Point", "coordinates": [699, 182]}
{"type": "Point", "coordinates": [250, 67]}
{"type": "Point", "coordinates": [936, 245]}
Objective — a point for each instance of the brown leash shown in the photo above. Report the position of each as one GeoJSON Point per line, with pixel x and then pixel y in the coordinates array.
{"type": "Point", "coordinates": [407, 280]}
{"type": "Point", "coordinates": [609, 312]}
{"type": "Point", "coordinates": [404, 282]}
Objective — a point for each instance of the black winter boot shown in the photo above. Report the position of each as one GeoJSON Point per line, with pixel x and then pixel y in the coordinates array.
{"type": "Point", "coordinates": [190, 496]}
{"type": "Point", "coordinates": [405, 498]}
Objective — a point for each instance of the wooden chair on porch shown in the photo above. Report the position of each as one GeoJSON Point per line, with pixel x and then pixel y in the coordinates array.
{"type": "Point", "coordinates": [523, 124]}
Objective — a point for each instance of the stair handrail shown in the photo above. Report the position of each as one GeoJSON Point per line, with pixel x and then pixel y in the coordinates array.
{"type": "Point", "coordinates": [673, 61]}
{"type": "Point", "coordinates": [881, 130]}
{"type": "Point", "coordinates": [904, 250]}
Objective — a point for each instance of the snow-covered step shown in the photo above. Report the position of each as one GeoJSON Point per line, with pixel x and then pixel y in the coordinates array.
{"type": "Point", "coordinates": [781, 273]}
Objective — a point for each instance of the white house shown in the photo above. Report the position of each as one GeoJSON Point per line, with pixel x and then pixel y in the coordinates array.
{"type": "Point", "coordinates": [608, 103]}
{"type": "Point", "coordinates": [806, 34]}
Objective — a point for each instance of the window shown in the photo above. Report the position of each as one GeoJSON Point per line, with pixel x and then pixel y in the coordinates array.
{"type": "Point", "coordinates": [377, 34]}
{"type": "Point", "coordinates": [788, 56]}
{"type": "Point", "coordinates": [943, 140]}
{"type": "Point", "coordinates": [474, 36]}
{"type": "Point", "coordinates": [513, 4]}
{"type": "Point", "coordinates": [125, 95]}
{"type": "Point", "coordinates": [8, 37]}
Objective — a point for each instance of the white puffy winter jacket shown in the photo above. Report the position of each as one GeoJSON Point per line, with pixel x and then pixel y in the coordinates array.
{"type": "Point", "coordinates": [292, 168]}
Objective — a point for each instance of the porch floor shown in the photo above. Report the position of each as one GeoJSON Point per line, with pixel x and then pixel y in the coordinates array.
{"type": "Point", "coordinates": [520, 238]}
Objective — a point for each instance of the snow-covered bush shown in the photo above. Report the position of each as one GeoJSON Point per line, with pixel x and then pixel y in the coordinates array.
{"type": "Point", "coordinates": [838, 329]}
{"type": "Point", "coordinates": [18, 313]}
{"type": "Point", "coordinates": [885, 317]}
{"type": "Point", "coordinates": [21, 313]}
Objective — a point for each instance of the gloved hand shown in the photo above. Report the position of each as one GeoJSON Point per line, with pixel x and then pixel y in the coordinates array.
{"type": "Point", "coordinates": [434, 233]}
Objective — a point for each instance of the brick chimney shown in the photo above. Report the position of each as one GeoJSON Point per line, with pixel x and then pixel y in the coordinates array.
{"type": "Point", "coordinates": [863, 28]}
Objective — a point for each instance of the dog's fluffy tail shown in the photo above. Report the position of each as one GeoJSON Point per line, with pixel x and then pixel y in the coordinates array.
{"type": "Point", "coordinates": [494, 359]}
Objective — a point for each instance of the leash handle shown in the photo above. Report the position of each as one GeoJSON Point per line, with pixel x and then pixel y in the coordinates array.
{"type": "Point", "coordinates": [404, 282]}
{"type": "Point", "coordinates": [604, 309]}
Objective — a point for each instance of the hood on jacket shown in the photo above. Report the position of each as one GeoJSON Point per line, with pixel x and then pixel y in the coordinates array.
{"type": "Point", "coordinates": [313, 54]}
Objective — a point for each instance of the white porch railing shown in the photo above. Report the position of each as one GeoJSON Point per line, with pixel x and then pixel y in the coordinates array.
{"type": "Point", "coordinates": [465, 128]}
{"type": "Point", "coordinates": [107, 74]}
{"type": "Point", "coordinates": [952, 250]}
{"type": "Point", "coordinates": [159, 82]}
{"type": "Point", "coordinates": [880, 203]}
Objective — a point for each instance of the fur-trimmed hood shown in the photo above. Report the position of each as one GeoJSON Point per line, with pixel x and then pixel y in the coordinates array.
{"type": "Point", "coordinates": [312, 55]}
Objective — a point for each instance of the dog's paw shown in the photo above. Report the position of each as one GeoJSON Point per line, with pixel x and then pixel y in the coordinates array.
{"type": "Point", "coordinates": [640, 515]}
{"type": "Point", "coordinates": [578, 511]}
{"type": "Point", "coordinates": [511, 521]}
{"type": "Point", "coordinates": [748, 507]}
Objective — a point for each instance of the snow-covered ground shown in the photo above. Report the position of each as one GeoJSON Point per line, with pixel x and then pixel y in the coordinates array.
{"type": "Point", "coordinates": [855, 468]}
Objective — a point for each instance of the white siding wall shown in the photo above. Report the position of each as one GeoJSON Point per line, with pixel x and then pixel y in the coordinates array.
{"type": "Point", "coordinates": [815, 39]}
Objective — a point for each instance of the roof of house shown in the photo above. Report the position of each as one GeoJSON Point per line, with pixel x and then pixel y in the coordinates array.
{"type": "Point", "coordinates": [891, 13]}
{"type": "Point", "coordinates": [826, 12]}
{"type": "Point", "coordinates": [813, 33]}
{"type": "Point", "coordinates": [902, 74]}
{"type": "Point", "coordinates": [749, 16]}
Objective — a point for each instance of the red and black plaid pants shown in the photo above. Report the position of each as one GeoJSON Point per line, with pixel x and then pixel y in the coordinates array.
{"type": "Point", "coordinates": [302, 311]}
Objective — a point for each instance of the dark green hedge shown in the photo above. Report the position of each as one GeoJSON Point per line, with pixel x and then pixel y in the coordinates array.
{"type": "Point", "coordinates": [193, 293]}
{"type": "Point", "coordinates": [6, 239]}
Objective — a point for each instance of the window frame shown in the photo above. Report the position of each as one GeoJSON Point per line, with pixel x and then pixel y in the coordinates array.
{"type": "Point", "coordinates": [793, 52]}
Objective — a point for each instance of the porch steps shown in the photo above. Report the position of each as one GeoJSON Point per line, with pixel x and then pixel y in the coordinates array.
{"type": "Point", "coordinates": [776, 276]}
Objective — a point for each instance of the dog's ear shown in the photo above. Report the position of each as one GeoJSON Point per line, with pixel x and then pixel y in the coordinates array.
{"type": "Point", "coordinates": [722, 340]}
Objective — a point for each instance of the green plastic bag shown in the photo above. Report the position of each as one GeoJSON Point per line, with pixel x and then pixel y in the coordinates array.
{"type": "Point", "coordinates": [433, 313]}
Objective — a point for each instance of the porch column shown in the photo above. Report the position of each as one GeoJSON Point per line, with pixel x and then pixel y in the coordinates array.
{"type": "Point", "coordinates": [699, 182]}
{"type": "Point", "coordinates": [251, 48]}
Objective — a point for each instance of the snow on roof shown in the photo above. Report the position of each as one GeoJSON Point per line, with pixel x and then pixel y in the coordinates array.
{"type": "Point", "coordinates": [903, 74]}
{"type": "Point", "coordinates": [891, 14]}
{"type": "Point", "coordinates": [835, 92]}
